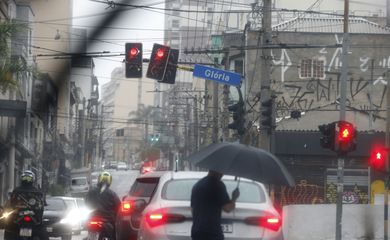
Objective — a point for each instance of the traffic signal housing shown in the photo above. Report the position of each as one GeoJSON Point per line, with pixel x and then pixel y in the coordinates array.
{"type": "Point", "coordinates": [133, 60]}
{"type": "Point", "coordinates": [171, 68]}
{"type": "Point", "coordinates": [378, 158]}
{"type": "Point", "coordinates": [345, 140]}
{"type": "Point", "coordinates": [158, 62]}
{"type": "Point", "coordinates": [238, 123]}
{"type": "Point", "coordinates": [328, 135]}
{"type": "Point", "coordinates": [267, 115]}
{"type": "Point", "coordinates": [154, 138]}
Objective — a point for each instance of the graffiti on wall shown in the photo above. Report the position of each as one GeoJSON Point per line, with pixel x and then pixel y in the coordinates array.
{"type": "Point", "coordinates": [308, 94]}
{"type": "Point", "coordinates": [351, 194]}
{"type": "Point", "coordinates": [302, 193]}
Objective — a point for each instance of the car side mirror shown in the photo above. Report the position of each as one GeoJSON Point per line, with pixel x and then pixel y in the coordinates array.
{"type": "Point", "coordinates": [139, 205]}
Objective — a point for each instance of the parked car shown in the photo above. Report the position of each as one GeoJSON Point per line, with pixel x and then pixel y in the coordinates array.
{"type": "Point", "coordinates": [129, 215]}
{"type": "Point", "coordinates": [122, 166]}
{"type": "Point", "coordinates": [168, 213]}
{"type": "Point", "coordinates": [79, 186]}
{"type": "Point", "coordinates": [55, 218]}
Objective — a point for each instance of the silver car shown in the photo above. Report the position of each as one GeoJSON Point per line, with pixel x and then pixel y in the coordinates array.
{"type": "Point", "coordinates": [168, 215]}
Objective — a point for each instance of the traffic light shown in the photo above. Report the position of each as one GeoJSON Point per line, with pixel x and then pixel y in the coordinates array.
{"type": "Point", "coordinates": [154, 138]}
{"type": "Point", "coordinates": [328, 135]}
{"type": "Point", "coordinates": [170, 70]}
{"type": "Point", "coordinates": [378, 158]}
{"type": "Point", "coordinates": [133, 60]}
{"type": "Point", "coordinates": [267, 116]}
{"type": "Point", "coordinates": [345, 140]}
{"type": "Point", "coordinates": [238, 123]}
{"type": "Point", "coordinates": [158, 62]}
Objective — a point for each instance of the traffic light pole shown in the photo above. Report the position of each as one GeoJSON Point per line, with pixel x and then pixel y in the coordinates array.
{"type": "Point", "coordinates": [343, 93]}
{"type": "Point", "coordinates": [386, 196]}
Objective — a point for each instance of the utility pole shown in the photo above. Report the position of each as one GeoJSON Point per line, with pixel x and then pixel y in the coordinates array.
{"type": "Point", "coordinates": [386, 197]}
{"type": "Point", "coordinates": [265, 84]}
{"type": "Point", "coordinates": [11, 154]}
{"type": "Point", "coordinates": [226, 92]}
{"type": "Point", "coordinates": [196, 123]}
{"type": "Point", "coordinates": [100, 145]}
{"type": "Point", "coordinates": [343, 97]}
{"type": "Point", "coordinates": [215, 112]}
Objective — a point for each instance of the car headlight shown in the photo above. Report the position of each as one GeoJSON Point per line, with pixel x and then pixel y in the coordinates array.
{"type": "Point", "coordinates": [72, 218]}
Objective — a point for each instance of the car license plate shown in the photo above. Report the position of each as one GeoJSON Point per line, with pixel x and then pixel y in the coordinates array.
{"type": "Point", "coordinates": [25, 232]}
{"type": "Point", "coordinates": [227, 227]}
{"type": "Point", "coordinates": [49, 229]}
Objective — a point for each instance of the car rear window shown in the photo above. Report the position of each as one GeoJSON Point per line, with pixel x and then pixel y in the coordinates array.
{"type": "Point", "coordinates": [55, 205]}
{"type": "Point", "coordinates": [180, 189]}
{"type": "Point", "coordinates": [144, 187]}
{"type": "Point", "coordinates": [79, 181]}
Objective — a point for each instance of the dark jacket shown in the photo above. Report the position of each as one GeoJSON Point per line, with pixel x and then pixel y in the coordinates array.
{"type": "Point", "coordinates": [105, 204]}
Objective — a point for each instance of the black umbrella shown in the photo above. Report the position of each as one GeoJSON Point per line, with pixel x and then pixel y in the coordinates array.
{"type": "Point", "coordinates": [243, 161]}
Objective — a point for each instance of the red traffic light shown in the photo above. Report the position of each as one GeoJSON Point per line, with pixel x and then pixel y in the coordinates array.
{"type": "Point", "coordinates": [346, 132]}
{"type": "Point", "coordinates": [378, 158]}
{"type": "Point", "coordinates": [133, 52]}
{"type": "Point", "coordinates": [160, 53]}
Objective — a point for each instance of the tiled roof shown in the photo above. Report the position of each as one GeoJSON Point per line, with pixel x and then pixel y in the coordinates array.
{"type": "Point", "coordinates": [330, 25]}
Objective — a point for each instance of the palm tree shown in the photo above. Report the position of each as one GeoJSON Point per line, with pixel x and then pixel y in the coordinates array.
{"type": "Point", "coordinates": [145, 114]}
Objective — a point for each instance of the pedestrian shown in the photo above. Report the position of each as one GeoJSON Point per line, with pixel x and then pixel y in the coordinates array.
{"type": "Point", "coordinates": [209, 197]}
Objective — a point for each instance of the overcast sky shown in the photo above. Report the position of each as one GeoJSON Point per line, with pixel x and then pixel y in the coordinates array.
{"type": "Point", "coordinates": [131, 24]}
{"type": "Point", "coordinates": [114, 40]}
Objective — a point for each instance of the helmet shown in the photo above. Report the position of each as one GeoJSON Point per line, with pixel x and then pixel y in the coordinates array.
{"type": "Point", "coordinates": [105, 177]}
{"type": "Point", "coordinates": [27, 177]}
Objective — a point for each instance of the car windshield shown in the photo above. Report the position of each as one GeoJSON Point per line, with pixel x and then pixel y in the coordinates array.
{"type": "Point", "coordinates": [144, 187]}
{"type": "Point", "coordinates": [70, 203]}
{"type": "Point", "coordinates": [55, 204]}
{"type": "Point", "coordinates": [79, 181]}
{"type": "Point", "coordinates": [180, 189]}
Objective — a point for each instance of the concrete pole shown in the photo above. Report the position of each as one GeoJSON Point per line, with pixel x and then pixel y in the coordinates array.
{"type": "Point", "coordinates": [265, 86]}
{"type": "Point", "coordinates": [386, 197]}
{"type": "Point", "coordinates": [11, 156]}
{"type": "Point", "coordinates": [215, 112]}
{"type": "Point", "coordinates": [343, 97]}
{"type": "Point", "coordinates": [226, 92]}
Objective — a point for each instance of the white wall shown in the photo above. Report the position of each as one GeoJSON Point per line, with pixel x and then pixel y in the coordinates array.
{"type": "Point", "coordinates": [309, 222]}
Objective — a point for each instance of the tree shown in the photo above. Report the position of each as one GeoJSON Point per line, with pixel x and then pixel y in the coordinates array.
{"type": "Point", "coordinates": [10, 66]}
{"type": "Point", "coordinates": [145, 114]}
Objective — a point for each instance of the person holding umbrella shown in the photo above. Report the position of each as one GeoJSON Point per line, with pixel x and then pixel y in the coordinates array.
{"type": "Point", "coordinates": [209, 197]}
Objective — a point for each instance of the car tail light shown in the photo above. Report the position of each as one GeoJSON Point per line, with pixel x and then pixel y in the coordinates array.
{"type": "Point", "coordinates": [27, 219]}
{"type": "Point", "coordinates": [126, 206]}
{"type": "Point", "coordinates": [158, 218]}
{"type": "Point", "coordinates": [269, 222]}
{"type": "Point", "coordinates": [95, 225]}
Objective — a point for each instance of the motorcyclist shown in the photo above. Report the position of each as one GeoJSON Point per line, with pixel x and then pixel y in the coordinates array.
{"type": "Point", "coordinates": [25, 197]}
{"type": "Point", "coordinates": [104, 202]}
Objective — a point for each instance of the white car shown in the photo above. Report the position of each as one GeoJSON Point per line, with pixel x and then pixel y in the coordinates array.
{"type": "Point", "coordinates": [122, 166]}
{"type": "Point", "coordinates": [168, 215]}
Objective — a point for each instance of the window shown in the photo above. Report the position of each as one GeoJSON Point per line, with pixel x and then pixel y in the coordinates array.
{"type": "Point", "coordinates": [120, 132]}
{"type": "Point", "coordinates": [55, 204]}
{"type": "Point", "coordinates": [312, 68]}
{"type": "Point", "coordinates": [175, 23]}
{"type": "Point", "coordinates": [181, 190]}
{"type": "Point", "coordinates": [144, 187]}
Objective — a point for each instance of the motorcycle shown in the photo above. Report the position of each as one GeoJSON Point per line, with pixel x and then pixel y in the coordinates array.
{"type": "Point", "coordinates": [24, 224]}
{"type": "Point", "coordinates": [23, 221]}
{"type": "Point", "coordinates": [99, 228]}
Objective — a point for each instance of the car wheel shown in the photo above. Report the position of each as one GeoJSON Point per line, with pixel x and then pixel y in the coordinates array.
{"type": "Point", "coordinates": [66, 237]}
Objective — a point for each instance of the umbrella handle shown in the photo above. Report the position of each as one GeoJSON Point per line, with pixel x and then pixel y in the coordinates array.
{"type": "Point", "coordinates": [238, 182]}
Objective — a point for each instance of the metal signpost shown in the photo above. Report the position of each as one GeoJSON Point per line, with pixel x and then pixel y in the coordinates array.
{"type": "Point", "coordinates": [217, 75]}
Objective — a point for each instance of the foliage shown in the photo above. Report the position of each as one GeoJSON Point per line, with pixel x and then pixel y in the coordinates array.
{"type": "Point", "coordinates": [56, 190]}
{"type": "Point", "coordinates": [9, 67]}
{"type": "Point", "coordinates": [152, 151]}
